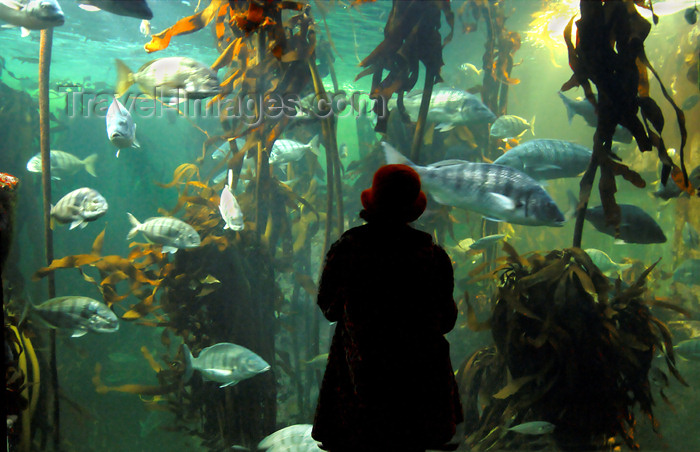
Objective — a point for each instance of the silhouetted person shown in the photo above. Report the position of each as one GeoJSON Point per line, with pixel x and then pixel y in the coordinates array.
{"type": "Point", "coordinates": [389, 383]}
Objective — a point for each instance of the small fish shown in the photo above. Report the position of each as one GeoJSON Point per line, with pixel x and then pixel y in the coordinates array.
{"type": "Point", "coordinates": [688, 349]}
{"type": "Point", "coordinates": [533, 428]}
{"type": "Point", "coordinates": [691, 15]}
{"type": "Point", "coordinates": [636, 226]}
{"type": "Point", "coordinates": [229, 208]}
{"type": "Point", "coordinates": [343, 151]}
{"type": "Point", "coordinates": [170, 232]}
{"type": "Point", "coordinates": [285, 151]}
{"type": "Point", "coordinates": [145, 28]}
{"type": "Point", "coordinates": [547, 159]}
{"type": "Point", "coordinates": [499, 193]}
{"type": "Point", "coordinates": [63, 164]}
{"type": "Point", "coordinates": [690, 236]}
{"type": "Point", "coordinates": [690, 101]}
{"type": "Point", "coordinates": [121, 129]}
{"type": "Point", "coordinates": [448, 107]}
{"type": "Point", "coordinates": [470, 76]}
{"type": "Point", "coordinates": [687, 272]}
{"type": "Point", "coordinates": [604, 262]}
{"type": "Point", "coordinates": [485, 242]}
{"type": "Point", "coordinates": [77, 313]}
{"type": "Point", "coordinates": [31, 14]}
{"type": "Point", "coordinates": [172, 77]}
{"type": "Point", "coordinates": [78, 207]}
{"type": "Point", "coordinates": [130, 8]}
{"type": "Point", "coordinates": [222, 150]}
{"type": "Point", "coordinates": [224, 363]}
{"type": "Point", "coordinates": [295, 438]}
{"type": "Point", "coordinates": [511, 126]}
{"type": "Point", "coordinates": [587, 111]}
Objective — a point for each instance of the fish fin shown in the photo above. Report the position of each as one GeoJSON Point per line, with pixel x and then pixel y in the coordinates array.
{"type": "Point", "coordinates": [502, 201]}
{"type": "Point", "coordinates": [134, 226]}
{"type": "Point", "coordinates": [13, 4]}
{"type": "Point", "coordinates": [77, 223]}
{"type": "Point", "coordinates": [125, 78]}
{"type": "Point", "coordinates": [449, 162]}
{"type": "Point", "coordinates": [189, 363]}
{"type": "Point", "coordinates": [313, 145]}
{"type": "Point", "coordinates": [89, 8]}
{"type": "Point", "coordinates": [117, 154]}
{"type": "Point", "coordinates": [230, 383]}
{"type": "Point", "coordinates": [169, 249]}
{"type": "Point", "coordinates": [394, 156]}
{"type": "Point", "coordinates": [569, 111]}
{"type": "Point", "coordinates": [496, 220]}
{"type": "Point", "coordinates": [546, 167]}
{"type": "Point", "coordinates": [445, 127]}
{"type": "Point", "coordinates": [79, 333]}
{"type": "Point", "coordinates": [619, 242]}
{"type": "Point", "coordinates": [532, 125]}
{"type": "Point", "coordinates": [136, 142]}
{"type": "Point", "coordinates": [8, 25]}
{"type": "Point", "coordinates": [24, 32]}
{"type": "Point", "coordinates": [89, 163]}
{"type": "Point", "coordinates": [55, 178]}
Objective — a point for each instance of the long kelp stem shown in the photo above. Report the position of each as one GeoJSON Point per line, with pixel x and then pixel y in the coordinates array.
{"type": "Point", "coordinates": [44, 128]}
{"type": "Point", "coordinates": [585, 187]}
{"type": "Point", "coordinates": [430, 75]}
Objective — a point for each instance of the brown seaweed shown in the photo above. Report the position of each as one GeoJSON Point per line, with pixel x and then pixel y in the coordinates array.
{"type": "Point", "coordinates": [569, 350]}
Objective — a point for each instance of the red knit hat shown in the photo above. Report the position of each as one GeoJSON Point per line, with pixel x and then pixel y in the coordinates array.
{"type": "Point", "coordinates": [395, 194]}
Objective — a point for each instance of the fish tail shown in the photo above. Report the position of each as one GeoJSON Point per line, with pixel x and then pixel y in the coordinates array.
{"type": "Point", "coordinates": [313, 145]}
{"type": "Point", "coordinates": [189, 367]}
{"type": "Point", "coordinates": [89, 163]}
{"type": "Point", "coordinates": [135, 226]}
{"type": "Point", "coordinates": [569, 111]}
{"type": "Point", "coordinates": [125, 78]}
{"type": "Point", "coordinates": [393, 156]}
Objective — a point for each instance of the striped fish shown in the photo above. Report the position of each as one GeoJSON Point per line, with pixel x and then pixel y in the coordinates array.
{"type": "Point", "coordinates": [78, 207]}
{"type": "Point", "coordinates": [80, 314]}
{"type": "Point", "coordinates": [170, 232]}
{"type": "Point", "coordinates": [224, 363]}
{"type": "Point", "coordinates": [63, 164]}
{"type": "Point", "coordinates": [511, 126]}
{"type": "Point", "coordinates": [448, 107]}
{"type": "Point", "coordinates": [285, 151]}
{"type": "Point", "coordinates": [499, 193]}
{"type": "Point", "coordinates": [547, 159]}
{"type": "Point", "coordinates": [295, 438]}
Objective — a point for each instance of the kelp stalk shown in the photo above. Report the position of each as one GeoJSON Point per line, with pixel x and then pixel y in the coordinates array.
{"type": "Point", "coordinates": [45, 47]}
{"type": "Point", "coordinates": [430, 75]}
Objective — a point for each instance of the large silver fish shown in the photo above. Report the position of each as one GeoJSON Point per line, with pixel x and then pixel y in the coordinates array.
{"type": "Point", "coordinates": [31, 14]}
{"type": "Point", "coordinates": [587, 111]}
{"type": "Point", "coordinates": [498, 192]}
{"type": "Point", "coordinates": [604, 262]}
{"type": "Point", "coordinates": [224, 363]}
{"type": "Point", "coordinates": [285, 151]}
{"type": "Point", "coordinates": [63, 164]}
{"type": "Point", "coordinates": [533, 428]}
{"type": "Point", "coordinates": [121, 129]}
{"type": "Point", "coordinates": [449, 107]}
{"type": "Point", "coordinates": [77, 313]}
{"type": "Point", "coordinates": [636, 226]}
{"type": "Point", "coordinates": [79, 206]}
{"type": "Point", "coordinates": [172, 77]}
{"type": "Point", "coordinates": [547, 159]}
{"type": "Point", "coordinates": [170, 232]}
{"type": "Point", "coordinates": [295, 438]}
{"type": "Point", "coordinates": [130, 8]}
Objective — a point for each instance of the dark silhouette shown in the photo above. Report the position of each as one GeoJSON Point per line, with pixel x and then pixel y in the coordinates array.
{"type": "Point", "coordinates": [389, 383]}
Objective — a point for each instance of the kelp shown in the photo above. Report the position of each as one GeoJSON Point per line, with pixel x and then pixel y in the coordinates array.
{"type": "Point", "coordinates": [411, 36]}
{"type": "Point", "coordinates": [570, 349]}
{"type": "Point", "coordinates": [609, 52]}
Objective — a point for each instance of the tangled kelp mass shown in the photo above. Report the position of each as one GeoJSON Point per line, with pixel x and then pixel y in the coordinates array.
{"type": "Point", "coordinates": [568, 355]}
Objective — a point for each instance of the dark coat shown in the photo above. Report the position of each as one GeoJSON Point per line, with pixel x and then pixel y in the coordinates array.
{"type": "Point", "coordinates": [389, 380]}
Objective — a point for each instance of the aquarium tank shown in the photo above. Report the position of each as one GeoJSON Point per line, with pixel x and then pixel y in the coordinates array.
{"type": "Point", "coordinates": [173, 173]}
